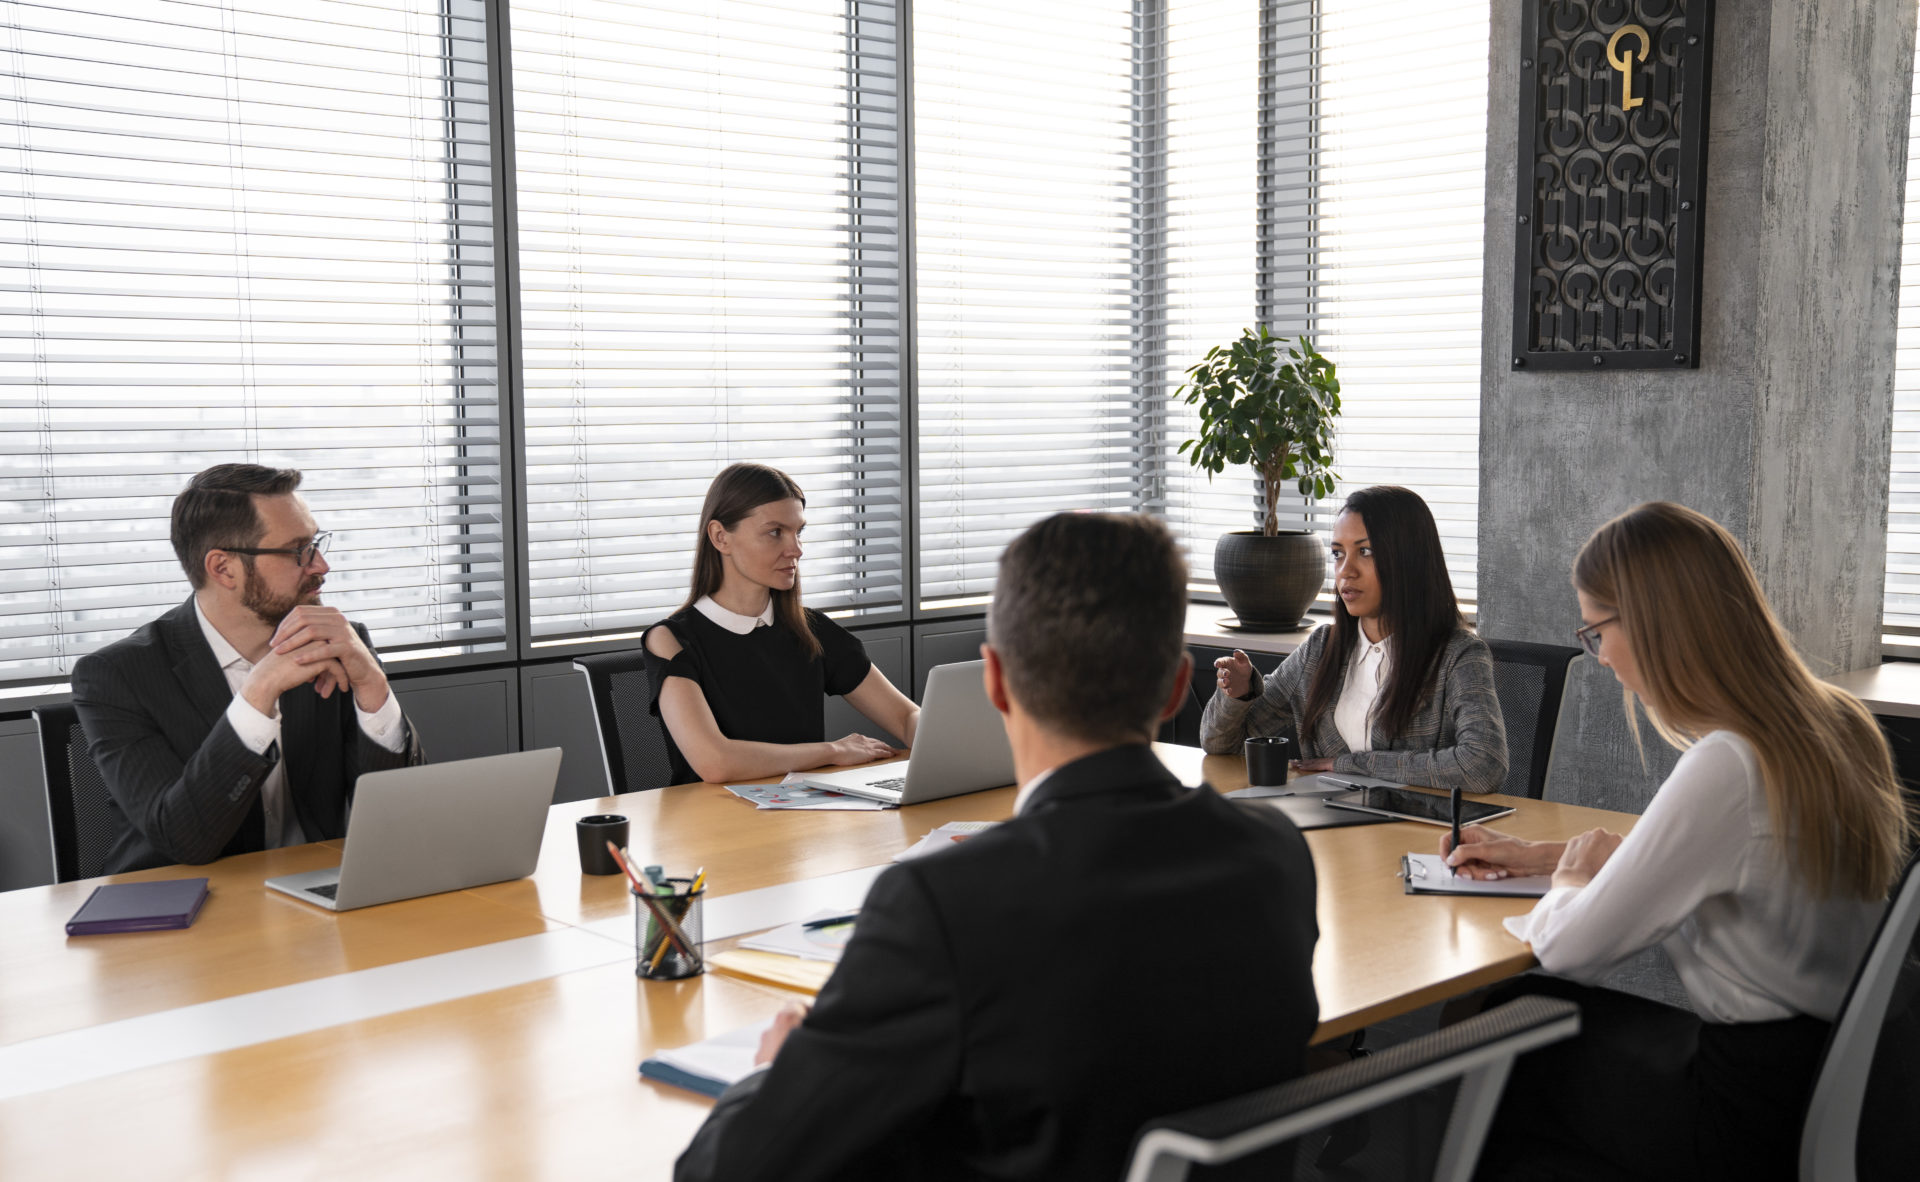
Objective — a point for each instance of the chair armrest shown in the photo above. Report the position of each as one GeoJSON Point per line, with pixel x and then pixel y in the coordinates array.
{"type": "Point", "coordinates": [1233, 1128]}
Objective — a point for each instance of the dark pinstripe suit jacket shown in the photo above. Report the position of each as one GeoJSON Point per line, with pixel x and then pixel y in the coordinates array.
{"type": "Point", "coordinates": [154, 710]}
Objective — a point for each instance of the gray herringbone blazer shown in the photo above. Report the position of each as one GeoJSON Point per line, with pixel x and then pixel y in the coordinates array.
{"type": "Point", "coordinates": [1455, 737]}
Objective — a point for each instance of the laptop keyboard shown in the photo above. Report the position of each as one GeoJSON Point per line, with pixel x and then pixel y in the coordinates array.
{"type": "Point", "coordinates": [329, 890]}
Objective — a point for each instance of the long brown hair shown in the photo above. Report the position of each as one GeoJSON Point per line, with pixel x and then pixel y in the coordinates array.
{"type": "Point", "coordinates": [1713, 657]}
{"type": "Point", "coordinates": [1417, 608]}
{"type": "Point", "coordinates": [732, 498]}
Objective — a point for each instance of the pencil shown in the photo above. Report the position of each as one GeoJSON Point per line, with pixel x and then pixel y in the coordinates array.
{"type": "Point", "coordinates": [659, 913]}
{"type": "Point", "coordinates": [1453, 804]}
{"type": "Point", "coordinates": [659, 956]}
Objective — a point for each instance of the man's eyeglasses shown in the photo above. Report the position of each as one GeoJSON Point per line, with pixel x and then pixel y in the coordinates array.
{"type": "Point", "coordinates": [1589, 635]}
{"type": "Point", "coordinates": [303, 555]}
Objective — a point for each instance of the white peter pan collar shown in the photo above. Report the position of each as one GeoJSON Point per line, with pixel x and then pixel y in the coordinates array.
{"type": "Point", "coordinates": [734, 622]}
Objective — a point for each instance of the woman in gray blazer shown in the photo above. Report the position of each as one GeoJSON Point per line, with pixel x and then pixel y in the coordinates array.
{"type": "Point", "coordinates": [1396, 687]}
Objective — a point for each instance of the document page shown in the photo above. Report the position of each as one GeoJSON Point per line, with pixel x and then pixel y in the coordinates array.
{"type": "Point", "coordinates": [1429, 875]}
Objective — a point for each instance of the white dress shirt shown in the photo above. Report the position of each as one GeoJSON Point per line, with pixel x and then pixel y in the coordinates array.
{"type": "Point", "coordinates": [1025, 794]}
{"type": "Point", "coordinates": [259, 732]}
{"type": "Point", "coordinates": [1702, 876]}
{"type": "Point", "coordinates": [1366, 673]}
{"type": "Point", "coordinates": [733, 621]}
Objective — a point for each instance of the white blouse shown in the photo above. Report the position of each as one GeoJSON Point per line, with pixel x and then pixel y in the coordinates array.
{"type": "Point", "coordinates": [1701, 876]}
{"type": "Point", "coordinates": [1353, 713]}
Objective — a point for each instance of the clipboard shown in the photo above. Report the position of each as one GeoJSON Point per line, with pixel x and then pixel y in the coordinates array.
{"type": "Point", "coordinates": [1426, 874]}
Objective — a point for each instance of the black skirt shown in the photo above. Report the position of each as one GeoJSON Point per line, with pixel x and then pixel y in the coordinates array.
{"type": "Point", "coordinates": [1647, 1091]}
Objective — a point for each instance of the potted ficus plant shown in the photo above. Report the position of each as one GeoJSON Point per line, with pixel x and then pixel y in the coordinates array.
{"type": "Point", "coordinates": [1271, 405]}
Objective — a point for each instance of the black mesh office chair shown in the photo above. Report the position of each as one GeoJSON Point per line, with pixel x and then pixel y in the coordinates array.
{"type": "Point", "coordinates": [1860, 1122]}
{"type": "Point", "coordinates": [633, 743]}
{"type": "Point", "coordinates": [1529, 680]}
{"type": "Point", "coordinates": [83, 818]}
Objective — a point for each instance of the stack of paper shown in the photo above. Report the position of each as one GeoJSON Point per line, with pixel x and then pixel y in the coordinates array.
{"type": "Point", "coordinates": [790, 793]}
{"type": "Point", "coordinates": [941, 838]}
{"type": "Point", "coordinates": [794, 955]}
{"type": "Point", "coordinates": [824, 942]}
{"type": "Point", "coordinates": [773, 968]}
{"type": "Point", "coordinates": [709, 1067]}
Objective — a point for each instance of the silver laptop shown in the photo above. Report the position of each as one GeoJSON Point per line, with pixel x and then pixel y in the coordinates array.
{"type": "Point", "coordinates": [961, 746]}
{"type": "Point", "coordinates": [438, 827]}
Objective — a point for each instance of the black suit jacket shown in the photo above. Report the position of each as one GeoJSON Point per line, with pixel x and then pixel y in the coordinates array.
{"type": "Point", "coordinates": [153, 707]}
{"type": "Point", "coordinates": [1018, 1006]}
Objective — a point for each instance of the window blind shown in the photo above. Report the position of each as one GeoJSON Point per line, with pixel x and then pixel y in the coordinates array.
{"type": "Point", "coordinates": [1238, 225]}
{"type": "Point", "coordinates": [1902, 610]}
{"type": "Point", "coordinates": [1397, 253]}
{"type": "Point", "coordinates": [709, 259]}
{"type": "Point", "coordinates": [234, 232]}
{"type": "Point", "coordinates": [1024, 170]}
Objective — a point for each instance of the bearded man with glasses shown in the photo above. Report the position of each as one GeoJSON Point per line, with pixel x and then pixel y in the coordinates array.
{"type": "Point", "coordinates": [240, 720]}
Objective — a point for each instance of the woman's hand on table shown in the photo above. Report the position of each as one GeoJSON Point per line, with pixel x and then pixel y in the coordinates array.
{"type": "Point", "coordinates": [1584, 857]}
{"type": "Point", "coordinates": [1488, 854]}
{"type": "Point", "coordinates": [858, 748]}
{"type": "Point", "coordinates": [1305, 766]}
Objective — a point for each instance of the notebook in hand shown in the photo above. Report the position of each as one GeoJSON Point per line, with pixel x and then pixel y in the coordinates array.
{"type": "Point", "coordinates": [139, 907]}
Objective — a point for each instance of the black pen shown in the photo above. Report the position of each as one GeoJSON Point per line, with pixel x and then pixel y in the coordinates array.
{"type": "Point", "coordinates": [829, 921]}
{"type": "Point", "coordinates": [1453, 802]}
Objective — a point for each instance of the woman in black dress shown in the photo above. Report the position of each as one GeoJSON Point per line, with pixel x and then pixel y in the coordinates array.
{"type": "Point", "coordinates": [740, 673]}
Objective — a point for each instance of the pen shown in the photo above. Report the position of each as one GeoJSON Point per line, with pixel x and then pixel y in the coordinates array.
{"type": "Point", "coordinates": [829, 921]}
{"type": "Point", "coordinates": [699, 880]}
{"type": "Point", "coordinates": [646, 896]}
{"type": "Point", "coordinates": [1453, 803]}
{"type": "Point", "coordinates": [1336, 781]}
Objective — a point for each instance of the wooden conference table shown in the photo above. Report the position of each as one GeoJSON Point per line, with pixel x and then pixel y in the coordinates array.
{"type": "Point", "coordinates": [536, 1079]}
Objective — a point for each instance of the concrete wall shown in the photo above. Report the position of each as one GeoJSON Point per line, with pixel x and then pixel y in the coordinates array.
{"type": "Point", "coordinates": [1782, 433]}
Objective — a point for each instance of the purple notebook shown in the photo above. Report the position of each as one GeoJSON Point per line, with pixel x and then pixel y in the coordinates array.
{"type": "Point", "coordinates": [139, 907]}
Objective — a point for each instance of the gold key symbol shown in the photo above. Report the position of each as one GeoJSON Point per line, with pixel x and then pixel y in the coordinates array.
{"type": "Point", "coordinates": [1624, 62]}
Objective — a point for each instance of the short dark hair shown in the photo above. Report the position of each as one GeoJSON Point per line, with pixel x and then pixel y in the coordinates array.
{"type": "Point", "coordinates": [215, 512]}
{"type": "Point", "coordinates": [1089, 621]}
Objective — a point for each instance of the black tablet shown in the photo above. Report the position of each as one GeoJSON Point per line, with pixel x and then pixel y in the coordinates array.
{"type": "Point", "coordinates": [1406, 805]}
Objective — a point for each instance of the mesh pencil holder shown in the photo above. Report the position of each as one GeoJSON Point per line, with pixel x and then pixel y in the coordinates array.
{"type": "Point", "coordinates": [659, 951]}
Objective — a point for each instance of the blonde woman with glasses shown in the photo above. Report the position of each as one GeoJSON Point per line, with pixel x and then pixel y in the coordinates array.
{"type": "Point", "coordinates": [1761, 866]}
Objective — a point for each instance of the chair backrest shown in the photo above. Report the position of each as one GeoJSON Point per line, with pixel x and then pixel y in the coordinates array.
{"type": "Point", "coordinates": [1861, 1119]}
{"type": "Point", "coordinates": [1478, 1052]}
{"type": "Point", "coordinates": [633, 745]}
{"type": "Point", "coordinates": [1529, 680]}
{"type": "Point", "coordinates": [83, 818]}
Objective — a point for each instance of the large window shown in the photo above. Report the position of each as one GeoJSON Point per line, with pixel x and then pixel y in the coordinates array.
{"type": "Point", "coordinates": [245, 233]}
{"type": "Point", "coordinates": [1400, 212]}
{"type": "Point", "coordinates": [1024, 215]}
{"type": "Point", "coordinates": [244, 230]}
{"type": "Point", "coordinates": [709, 241]}
{"type": "Point", "coordinates": [1903, 505]}
{"type": "Point", "coordinates": [1238, 207]}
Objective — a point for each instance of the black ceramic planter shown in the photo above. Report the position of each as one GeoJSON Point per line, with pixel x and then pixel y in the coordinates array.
{"type": "Point", "coordinates": [1270, 582]}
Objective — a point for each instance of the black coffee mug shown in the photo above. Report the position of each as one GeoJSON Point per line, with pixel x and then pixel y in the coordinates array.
{"type": "Point", "coordinates": [594, 833]}
{"type": "Point", "coordinates": [1267, 761]}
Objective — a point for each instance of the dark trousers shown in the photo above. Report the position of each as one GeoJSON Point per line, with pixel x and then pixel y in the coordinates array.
{"type": "Point", "coordinates": [1650, 1091]}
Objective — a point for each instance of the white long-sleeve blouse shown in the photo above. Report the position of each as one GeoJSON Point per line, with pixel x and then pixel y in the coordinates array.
{"type": "Point", "coordinates": [1702, 876]}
